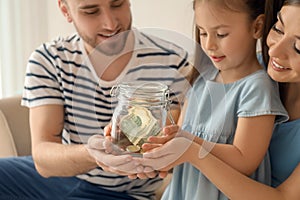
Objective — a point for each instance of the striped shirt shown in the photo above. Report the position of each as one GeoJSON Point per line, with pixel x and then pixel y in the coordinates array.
{"type": "Point", "coordinates": [60, 72]}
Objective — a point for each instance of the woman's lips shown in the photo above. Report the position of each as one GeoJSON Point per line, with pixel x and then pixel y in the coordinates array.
{"type": "Point", "coordinates": [278, 67]}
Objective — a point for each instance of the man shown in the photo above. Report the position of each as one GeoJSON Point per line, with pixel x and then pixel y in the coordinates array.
{"type": "Point", "coordinates": [67, 89]}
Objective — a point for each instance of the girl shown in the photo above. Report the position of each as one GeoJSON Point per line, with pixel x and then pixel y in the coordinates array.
{"type": "Point", "coordinates": [231, 108]}
{"type": "Point", "coordinates": [283, 47]}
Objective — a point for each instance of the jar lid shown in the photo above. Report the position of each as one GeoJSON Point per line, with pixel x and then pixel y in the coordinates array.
{"type": "Point", "coordinates": [140, 92]}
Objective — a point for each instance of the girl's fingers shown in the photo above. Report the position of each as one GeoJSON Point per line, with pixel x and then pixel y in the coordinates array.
{"type": "Point", "coordinates": [148, 146]}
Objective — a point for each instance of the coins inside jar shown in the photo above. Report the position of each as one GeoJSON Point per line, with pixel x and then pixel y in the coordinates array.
{"type": "Point", "coordinates": [133, 148]}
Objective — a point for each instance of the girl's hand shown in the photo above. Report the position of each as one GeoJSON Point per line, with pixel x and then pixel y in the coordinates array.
{"type": "Point", "coordinates": [164, 158]}
{"type": "Point", "coordinates": [169, 132]}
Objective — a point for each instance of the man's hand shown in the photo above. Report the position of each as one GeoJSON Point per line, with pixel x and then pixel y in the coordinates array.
{"type": "Point", "coordinates": [111, 158]}
{"type": "Point", "coordinates": [150, 172]}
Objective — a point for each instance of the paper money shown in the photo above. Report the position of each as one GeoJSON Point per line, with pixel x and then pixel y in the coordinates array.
{"type": "Point", "coordinates": [138, 125]}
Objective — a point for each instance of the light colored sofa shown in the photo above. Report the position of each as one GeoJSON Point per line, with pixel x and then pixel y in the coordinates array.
{"type": "Point", "coordinates": [15, 132]}
{"type": "Point", "coordinates": [14, 128]}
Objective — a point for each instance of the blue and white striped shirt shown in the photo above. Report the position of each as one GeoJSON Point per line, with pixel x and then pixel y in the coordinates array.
{"type": "Point", "coordinates": [60, 73]}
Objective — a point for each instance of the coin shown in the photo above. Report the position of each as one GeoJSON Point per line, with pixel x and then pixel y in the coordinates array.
{"type": "Point", "coordinates": [133, 148]}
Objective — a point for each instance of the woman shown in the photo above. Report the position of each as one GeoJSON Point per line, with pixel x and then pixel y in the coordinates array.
{"type": "Point", "coordinates": [283, 42]}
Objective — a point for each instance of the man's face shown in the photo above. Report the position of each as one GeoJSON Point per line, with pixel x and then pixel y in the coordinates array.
{"type": "Point", "coordinates": [100, 22]}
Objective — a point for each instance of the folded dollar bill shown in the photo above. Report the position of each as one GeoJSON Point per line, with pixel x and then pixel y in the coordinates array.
{"type": "Point", "coordinates": [139, 124]}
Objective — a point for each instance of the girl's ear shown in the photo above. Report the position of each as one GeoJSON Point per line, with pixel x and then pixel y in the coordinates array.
{"type": "Point", "coordinates": [65, 10]}
{"type": "Point", "coordinates": [258, 26]}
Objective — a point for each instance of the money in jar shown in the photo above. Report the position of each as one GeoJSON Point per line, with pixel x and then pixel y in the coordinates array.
{"type": "Point", "coordinates": [141, 111]}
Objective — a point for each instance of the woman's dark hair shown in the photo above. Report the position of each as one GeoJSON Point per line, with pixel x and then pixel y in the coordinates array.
{"type": "Point", "coordinates": [272, 7]}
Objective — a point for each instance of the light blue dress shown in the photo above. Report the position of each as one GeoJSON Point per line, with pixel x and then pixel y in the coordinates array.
{"type": "Point", "coordinates": [285, 150]}
{"type": "Point", "coordinates": [212, 114]}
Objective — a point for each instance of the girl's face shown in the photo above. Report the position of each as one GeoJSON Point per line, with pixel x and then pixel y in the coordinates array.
{"type": "Point", "coordinates": [226, 36]}
{"type": "Point", "coordinates": [284, 46]}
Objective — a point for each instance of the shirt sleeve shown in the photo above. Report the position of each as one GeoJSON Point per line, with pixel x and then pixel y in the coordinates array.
{"type": "Point", "coordinates": [260, 96]}
{"type": "Point", "coordinates": [42, 80]}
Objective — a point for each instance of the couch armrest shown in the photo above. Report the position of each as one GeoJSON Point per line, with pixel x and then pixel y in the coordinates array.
{"type": "Point", "coordinates": [15, 125]}
{"type": "Point", "coordinates": [7, 144]}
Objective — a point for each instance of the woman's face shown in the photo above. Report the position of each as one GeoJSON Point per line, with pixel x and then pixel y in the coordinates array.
{"type": "Point", "coordinates": [284, 46]}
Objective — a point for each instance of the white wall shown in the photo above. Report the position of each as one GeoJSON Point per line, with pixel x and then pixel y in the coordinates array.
{"type": "Point", "coordinates": [28, 25]}
{"type": "Point", "coordinates": [57, 25]}
{"type": "Point", "coordinates": [168, 19]}
{"type": "Point", "coordinates": [175, 15]}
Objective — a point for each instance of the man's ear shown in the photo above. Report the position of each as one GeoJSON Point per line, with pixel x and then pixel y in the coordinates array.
{"type": "Point", "coordinates": [65, 10]}
{"type": "Point", "coordinates": [258, 26]}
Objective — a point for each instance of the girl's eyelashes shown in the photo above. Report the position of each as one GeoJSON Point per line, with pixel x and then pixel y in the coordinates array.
{"type": "Point", "coordinates": [219, 35]}
{"type": "Point", "coordinates": [222, 35]}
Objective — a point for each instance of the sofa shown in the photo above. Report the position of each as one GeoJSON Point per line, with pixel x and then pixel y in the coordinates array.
{"type": "Point", "coordinates": [14, 128]}
{"type": "Point", "coordinates": [15, 132]}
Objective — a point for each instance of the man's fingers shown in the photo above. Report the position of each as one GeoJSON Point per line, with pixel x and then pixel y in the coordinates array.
{"type": "Point", "coordinates": [96, 142]}
{"type": "Point", "coordinates": [115, 161]}
{"type": "Point", "coordinates": [112, 148]}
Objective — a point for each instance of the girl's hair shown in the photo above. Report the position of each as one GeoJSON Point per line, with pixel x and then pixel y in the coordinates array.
{"type": "Point", "coordinates": [253, 7]}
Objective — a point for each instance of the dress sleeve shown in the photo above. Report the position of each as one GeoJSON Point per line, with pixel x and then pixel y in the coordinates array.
{"type": "Point", "coordinates": [260, 96]}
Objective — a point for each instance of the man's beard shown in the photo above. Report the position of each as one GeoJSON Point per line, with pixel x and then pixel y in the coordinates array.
{"type": "Point", "coordinates": [109, 47]}
{"type": "Point", "coordinates": [114, 45]}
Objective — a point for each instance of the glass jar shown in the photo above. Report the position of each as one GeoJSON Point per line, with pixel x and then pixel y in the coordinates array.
{"type": "Point", "coordinates": [141, 112]}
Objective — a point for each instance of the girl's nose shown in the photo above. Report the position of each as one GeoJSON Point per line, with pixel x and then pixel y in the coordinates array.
{"type": "Point", "coordinates": [210, 43]}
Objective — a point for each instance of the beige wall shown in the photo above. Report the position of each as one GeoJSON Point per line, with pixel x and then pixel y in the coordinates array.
{"type": "Point", "coordinates": [33, 23]}
{"type": "Point", "coordinates": [164, 14]}
{"type": "Point", "coordinates": [57, 24]}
